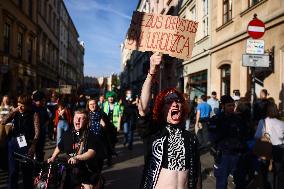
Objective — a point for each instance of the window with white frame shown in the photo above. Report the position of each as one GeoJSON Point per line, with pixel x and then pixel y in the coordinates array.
{"type": "Point", "coordinates": [193, 13]}
{"type": "Point", "coordinates": [227, 11]}
{"type": "Point", "coordinates": [205, 18]}
{"type": "Point", "coordinates": [253, 2]}
{"type": "Point", "coordinates": [205, 26]}
{"type": "Point", "coordinates": [205, 7]}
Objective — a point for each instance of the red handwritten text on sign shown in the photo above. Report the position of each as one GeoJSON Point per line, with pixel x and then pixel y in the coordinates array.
{"type": "Point", "coordinates": [162, 33]}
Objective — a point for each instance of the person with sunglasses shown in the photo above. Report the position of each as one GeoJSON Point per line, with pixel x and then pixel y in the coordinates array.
{"type": "Point", "coordinates": [171, 153]}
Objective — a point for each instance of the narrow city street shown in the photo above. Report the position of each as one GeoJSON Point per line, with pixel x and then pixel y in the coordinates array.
{"type": "Point", "coordinates": [127, 166]}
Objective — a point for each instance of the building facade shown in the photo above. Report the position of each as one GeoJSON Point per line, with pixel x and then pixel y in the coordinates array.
{"type": "Point", "coordinates": [63, 44]}
{"type": "Point", "coordinates": [34, 42]}
{"type": "Point", "coordinates": [18, 40]}
{"type": "Point", "coordinates": [229, 22]}
{"type": "Point", "coordinates": [196, 71]}
{"type": "Point", "coordinates": [71, 51]}
{"type": "Point", "coordinates": [134, 64]}
{"type": "Point", "coordinates": [80, 63]}
{"type": "Point", "coordinates": [48, 43]}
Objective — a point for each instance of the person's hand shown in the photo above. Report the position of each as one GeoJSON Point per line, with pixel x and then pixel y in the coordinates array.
{"type": "Point", "coordinates": [61, 112]}
{"type": "Point", "coordinates": [73, 161]}
{"type": "Point", "coordinates": [16, 109]}
{"type": "Point", "coordinates": [51, 159]}
{"type": "Point", "coordinates": [155, 61]}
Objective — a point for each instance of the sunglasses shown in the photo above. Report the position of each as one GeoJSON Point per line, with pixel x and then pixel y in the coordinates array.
{"type": "Point", "coordinates": [172, 97]}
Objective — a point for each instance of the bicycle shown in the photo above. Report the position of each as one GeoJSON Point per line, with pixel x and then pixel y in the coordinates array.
{"type": "Point", "coordinates": [46, 175]}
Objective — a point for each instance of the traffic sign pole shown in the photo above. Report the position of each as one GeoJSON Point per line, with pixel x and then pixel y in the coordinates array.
{"type": "Point", "coordinates": [255, 29]}
{"type": "Point", "coordinates": [252, 99]}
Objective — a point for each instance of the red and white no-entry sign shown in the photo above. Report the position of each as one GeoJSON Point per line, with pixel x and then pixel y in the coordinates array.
{"type": "Point", "coordinates": [256, 28]}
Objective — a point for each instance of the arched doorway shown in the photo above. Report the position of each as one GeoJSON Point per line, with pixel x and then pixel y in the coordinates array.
{"type": "Point", "coordinates": [225, 79]}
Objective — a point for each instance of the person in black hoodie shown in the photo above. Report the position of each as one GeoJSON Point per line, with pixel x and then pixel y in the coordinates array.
{"type": "Point", "coordinates": [230, 143]}
{"type": "Point", "coordinates": [25, 135]}
{"type": "Point", "coordinates": [129, 118]}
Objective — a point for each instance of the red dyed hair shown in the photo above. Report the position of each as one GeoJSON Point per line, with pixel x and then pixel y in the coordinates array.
{"type": "Point", "coordinates": [160, 101]}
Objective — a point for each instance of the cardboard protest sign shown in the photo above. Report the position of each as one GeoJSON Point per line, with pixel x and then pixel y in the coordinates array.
{"type": "Point", "coordinates": [161, 33]}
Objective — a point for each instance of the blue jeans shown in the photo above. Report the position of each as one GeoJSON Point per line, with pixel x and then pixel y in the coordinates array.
{"type": "Point", "coordinates": [62, 126]}
{"type": "Point", "coordinates": [128, 133]}
{"type": "Point", "coordinates": [230, 164]}
{"type": "Point", "coordinates": [14, 166]}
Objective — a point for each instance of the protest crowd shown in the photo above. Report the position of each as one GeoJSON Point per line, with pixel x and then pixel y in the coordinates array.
{"type": "Point", "coordinates": [175, 131]}
{"type": "Point", "coordinates": [183, 95]}
{"type": "Point", "coordinates": [83, 128]}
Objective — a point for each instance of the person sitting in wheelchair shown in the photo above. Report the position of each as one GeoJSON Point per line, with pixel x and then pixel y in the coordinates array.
{"type": "Point", "coordinates": [83, 152]}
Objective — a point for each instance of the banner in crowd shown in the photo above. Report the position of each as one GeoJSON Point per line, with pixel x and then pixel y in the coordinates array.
{"type": "Point", "coordinates": [161, 33]}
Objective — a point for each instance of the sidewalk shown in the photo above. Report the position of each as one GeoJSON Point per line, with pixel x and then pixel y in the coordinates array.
{"type": "Point", "coordinates": [208, 179]}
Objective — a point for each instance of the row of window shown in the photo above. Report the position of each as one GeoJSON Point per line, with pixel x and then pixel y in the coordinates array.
{"type": "Point", "coordinates": [49, 14]}
{"type": "Point", "coordinates": [48, 52]}
{"type": "Point", "coordinates": [30, 7]}
{"type": "Point", "coordinates": [20, 43]}
{"type": "Point", "coordinates": [66, 71]}
{"type": "Point", "coordinates": [227, 12]}
{"type": "Point", "coordinates": [227, 9]}
{"type": "Point", "coordinates": [192, 15]}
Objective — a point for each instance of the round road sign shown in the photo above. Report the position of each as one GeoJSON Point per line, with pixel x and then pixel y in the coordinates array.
{"type": "Point", "coordinates": [256, 28]}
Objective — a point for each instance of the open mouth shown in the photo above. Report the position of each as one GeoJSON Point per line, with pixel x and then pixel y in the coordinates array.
{"type": "Point", "coordinates": [176, 114]}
